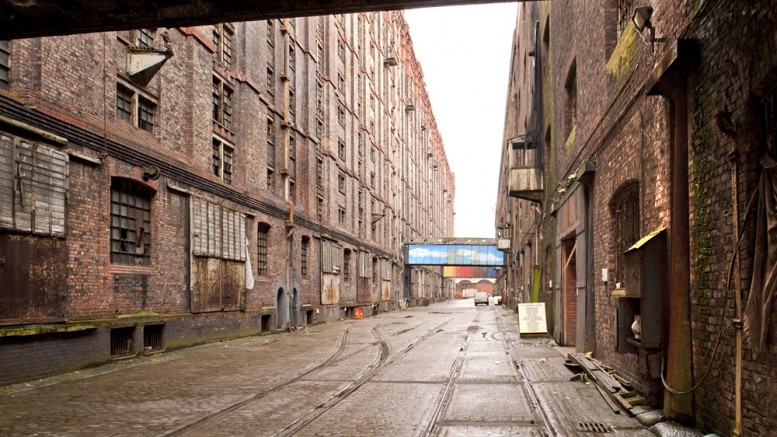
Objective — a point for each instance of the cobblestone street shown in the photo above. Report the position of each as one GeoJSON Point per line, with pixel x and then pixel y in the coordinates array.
{"type": "Point", "coordinates": [448, 369]}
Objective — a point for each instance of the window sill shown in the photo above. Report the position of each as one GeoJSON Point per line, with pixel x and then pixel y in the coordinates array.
{"type": "Point", "coordinates": [131, 270]}
{"type": "Point", "coordinates": [634, 342]}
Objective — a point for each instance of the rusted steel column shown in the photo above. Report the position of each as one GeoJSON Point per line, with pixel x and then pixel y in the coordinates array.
{"type": "Point", "coordinates": [679, 406]}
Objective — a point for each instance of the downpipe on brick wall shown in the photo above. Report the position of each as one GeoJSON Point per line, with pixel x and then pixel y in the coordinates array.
{"type": "Point", "coordinates": [290, 325]}
{"type": "Point", "coordinates": [737, 322]}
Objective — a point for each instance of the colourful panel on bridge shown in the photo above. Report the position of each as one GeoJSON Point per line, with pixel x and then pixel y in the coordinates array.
{"type": "Point", "coordinates": [454, 255]}
{"type": "Point", "coordinates": [469, 272]}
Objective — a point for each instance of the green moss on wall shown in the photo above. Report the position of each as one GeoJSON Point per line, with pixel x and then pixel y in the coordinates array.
{"type": "Point", "coordinates": [621, 62]}
{"type": "Point", "coordinates": [701, 204]}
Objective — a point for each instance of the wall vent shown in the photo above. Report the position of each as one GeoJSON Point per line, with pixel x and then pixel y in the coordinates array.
{"type": "Point", "coordinates": [121, 342]}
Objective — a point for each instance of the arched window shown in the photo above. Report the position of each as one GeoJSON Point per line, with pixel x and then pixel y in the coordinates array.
{"type": "Point", "coordinates": [626, 225]}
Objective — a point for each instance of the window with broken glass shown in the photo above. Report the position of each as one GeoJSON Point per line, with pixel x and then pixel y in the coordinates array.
{"type": "Point", "coordinates": [222, 160]}
{"type": "Point", "coordinates": [223, 36]}
{"type": "Point", "coordinates": [262, 242]}
{"type": "Point", "coordinates": [347, 265]}
{"type": "Point", "coordinates": [341, 215]}
{"type": "Point", "coordinates": [135, 107]}
{"type": "Point", "coordinates": [319, 208]}
{"type": "Point", "coordinates": [143, 38]}
{"type": "Point", "coordinates": [319, 171]}
{"type": "Point", "coordinates": [341, 182]}
{"type": "Point", "coordinates": [222, 102]}
{"type": "Point", "coordinates": [292, 154]}
{"type": "Point", "coordinates": [270, 81]}
{"type": "Point", "coordinates": [130, 223]}
{"type": "Point", "coordinates": [292, 55]}
{"type": "Point", "coordinates": [270, 134]}
{"type": "Point", "coordinates": [271, 33]}
{"type": "Point", "coordinates": [341, 115]}
{"type": "Point", "coordinates": [303, 261]}
{"type": "Point", "coordinates": [341, 153]}
{"type": "Point", "coordinates": [292, 105]}
{"type": "Point", "coordinates": [5, 64]}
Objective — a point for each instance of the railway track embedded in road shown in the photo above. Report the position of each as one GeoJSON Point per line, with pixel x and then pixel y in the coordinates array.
{"type": "Point", "coordinates": [384, 357]}
{"type": "Point", "coordinates": [340, 346]}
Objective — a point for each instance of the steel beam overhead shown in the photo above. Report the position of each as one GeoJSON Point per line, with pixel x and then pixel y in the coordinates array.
{"type": "Point", "coordinates": [33, 18]}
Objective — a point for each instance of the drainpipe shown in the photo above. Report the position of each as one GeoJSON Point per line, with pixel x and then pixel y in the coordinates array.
{"type": "Point", "coordinates": [738, 296]}
{"type": "Point", "coordinates": [287, 179]}
{"type": "Point", "coordinates": [669, 79]}
{"type": "Point", "coordinates": [679, 406]}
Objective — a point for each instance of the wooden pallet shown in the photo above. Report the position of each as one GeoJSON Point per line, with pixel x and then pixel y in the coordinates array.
{"type": "Point", "coordinates": [615, 390]}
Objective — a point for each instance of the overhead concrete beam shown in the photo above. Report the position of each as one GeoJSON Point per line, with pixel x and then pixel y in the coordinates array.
{"type": "Point", "coordinates": [33, 18]}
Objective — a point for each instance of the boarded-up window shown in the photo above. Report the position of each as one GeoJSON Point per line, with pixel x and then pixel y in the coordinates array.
{"type": "Point", "coordinates": [217, 232]}
{"type": "Point", "coordinates": [33, 186]}
{"type": "Point", "coordinates": [130, 223]}
{"type": "Point", "coordinates": [385, 271]}
{"type": "Point", "coordinates": [364, 265]}
{"type": "Point", "coordinates": [330, 255]}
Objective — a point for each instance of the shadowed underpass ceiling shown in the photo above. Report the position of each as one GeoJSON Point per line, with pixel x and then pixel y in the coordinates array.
{"type": "Point", "coordinates": [31, 18]}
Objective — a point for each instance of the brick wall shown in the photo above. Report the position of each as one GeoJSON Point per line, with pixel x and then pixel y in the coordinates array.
{"type": "Point", "coordinates": [626, 134]}
{"type": "Point", "coordinates": [733, 75]}
{"type": "Point", "coordinates": [73, 80]}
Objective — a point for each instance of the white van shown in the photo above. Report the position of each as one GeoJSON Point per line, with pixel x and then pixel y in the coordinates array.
{"type": "Point", "coordinates": [481, 297]}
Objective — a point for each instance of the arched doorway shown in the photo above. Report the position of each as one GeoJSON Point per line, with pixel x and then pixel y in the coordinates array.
{"type": "Point", "coordinates": [281, 309]}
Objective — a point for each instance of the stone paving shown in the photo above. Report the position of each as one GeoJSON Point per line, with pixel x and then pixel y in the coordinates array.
{"type": "Point", "coordinates": [450, 369]}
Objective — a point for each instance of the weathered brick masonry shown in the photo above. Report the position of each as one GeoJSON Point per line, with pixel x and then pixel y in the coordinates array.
{"type": "Point", "coordinates": [608, 139]}
{"type": "Point", "coordinates": [270, 149]}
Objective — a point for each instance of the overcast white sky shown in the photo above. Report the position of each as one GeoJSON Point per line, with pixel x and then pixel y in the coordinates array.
{"type": "Point", "coordinates": [465, 55]}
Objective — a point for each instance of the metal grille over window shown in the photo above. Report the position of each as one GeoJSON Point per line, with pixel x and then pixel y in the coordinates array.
{"type": "Point", "coordinates": [122, 342]}
{"type": "Point", "coordinates": [153, 337]}
{"type": "Point", "coordinates": [130, 223]}
{"type": "Point", "coordinates": [33, 187]}
{"type": "Point", "coordinates": [217, 232]}
{"type": "Point", "coordinates": [330, 255]}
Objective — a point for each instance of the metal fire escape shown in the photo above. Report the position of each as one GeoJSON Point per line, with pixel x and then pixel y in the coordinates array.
{"type": "Point", "coordinates": [525, 180]}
